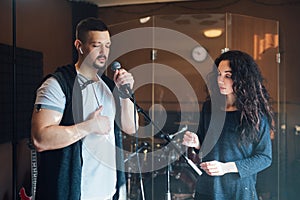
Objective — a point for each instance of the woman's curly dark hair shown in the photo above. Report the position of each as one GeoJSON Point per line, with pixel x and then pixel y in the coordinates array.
{"type": "Point", "coordinates": [252, 98]}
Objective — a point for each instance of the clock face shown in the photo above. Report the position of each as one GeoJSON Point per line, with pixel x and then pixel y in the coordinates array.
{"type": "Point", "coordinates": [199, 53]}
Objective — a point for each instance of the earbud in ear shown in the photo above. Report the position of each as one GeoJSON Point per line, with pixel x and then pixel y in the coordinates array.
{"type": "Point", "coordinates": [80, 50]}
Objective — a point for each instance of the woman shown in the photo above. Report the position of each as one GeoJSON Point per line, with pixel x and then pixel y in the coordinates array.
{"type": "Point", "coordinates": [243, 148]}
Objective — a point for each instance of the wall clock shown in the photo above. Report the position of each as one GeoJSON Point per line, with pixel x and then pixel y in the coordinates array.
{"type": "Point", "coordinates": [199, 53]}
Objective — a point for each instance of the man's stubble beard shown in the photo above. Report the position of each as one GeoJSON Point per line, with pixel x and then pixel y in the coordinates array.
{"type": "Point", "coordinates": [100, 68]}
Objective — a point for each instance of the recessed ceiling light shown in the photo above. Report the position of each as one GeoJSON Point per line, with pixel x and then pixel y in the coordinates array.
{"type": "Point", "coordinates": [144, 20]}
{"type": "Point", "coordinates": [212, 33]}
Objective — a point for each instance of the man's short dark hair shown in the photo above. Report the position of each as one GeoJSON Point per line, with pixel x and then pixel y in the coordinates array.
{"type": "Point", "coordinates": [89, 24]}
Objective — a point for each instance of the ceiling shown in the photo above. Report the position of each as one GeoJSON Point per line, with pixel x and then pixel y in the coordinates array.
{"type": "Point", "coordinates": [106, 3]}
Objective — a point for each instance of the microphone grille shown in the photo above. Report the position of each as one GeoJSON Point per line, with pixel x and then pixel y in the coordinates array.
{"type": "Point", "coordinates": [115, 66]}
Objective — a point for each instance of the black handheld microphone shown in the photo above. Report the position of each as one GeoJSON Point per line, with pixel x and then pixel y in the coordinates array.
{"type": "Point", "coordinates": [124, 89]}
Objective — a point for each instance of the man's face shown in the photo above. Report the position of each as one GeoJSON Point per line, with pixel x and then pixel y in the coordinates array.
{"type": "Point", "coordinates": [97, 48]}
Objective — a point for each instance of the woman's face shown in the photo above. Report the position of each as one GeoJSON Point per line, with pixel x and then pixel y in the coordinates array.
{"type": "Point", "coordinates": [225, 81]}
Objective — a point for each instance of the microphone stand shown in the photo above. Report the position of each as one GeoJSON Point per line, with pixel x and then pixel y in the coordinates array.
{"type": "Point", "coordinates": [132, 98]}
{"type": "Point", "coordinates": [168, 193]}
{"type": "Point", "coordinates": [166, 136]}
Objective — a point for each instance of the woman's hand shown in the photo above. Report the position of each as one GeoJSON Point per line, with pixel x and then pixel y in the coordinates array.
{"type": "Point", "coordinates": [216, 168]}
{"type": "Point", "coordinates": [190, 139]}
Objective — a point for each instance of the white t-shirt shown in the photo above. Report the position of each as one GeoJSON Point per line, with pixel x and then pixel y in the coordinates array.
{"type": "Point", "coordinates": [98, 180]}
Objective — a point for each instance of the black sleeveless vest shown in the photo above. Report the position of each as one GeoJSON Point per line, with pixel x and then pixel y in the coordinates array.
{"type": "Point", "coordinates": [59, 171]}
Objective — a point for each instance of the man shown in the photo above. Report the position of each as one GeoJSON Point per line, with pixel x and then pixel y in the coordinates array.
{"type": "Point", "coordinates": [76, 120]}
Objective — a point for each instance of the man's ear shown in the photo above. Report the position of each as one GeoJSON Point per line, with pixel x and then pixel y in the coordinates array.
{"type": "Point", "coordinates": [77, 45]}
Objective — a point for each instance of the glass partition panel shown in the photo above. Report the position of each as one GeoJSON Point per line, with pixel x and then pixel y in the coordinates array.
{"type": "Point", "coordinates": [170, 58]}
{"type": "Point", "coordinates": [260, 38]}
